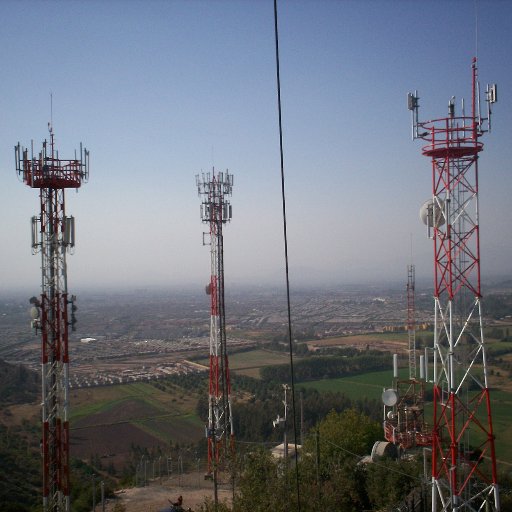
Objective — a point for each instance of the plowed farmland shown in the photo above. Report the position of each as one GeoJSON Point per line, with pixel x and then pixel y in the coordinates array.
{"type": "Point", "coordinates": [108, 421]}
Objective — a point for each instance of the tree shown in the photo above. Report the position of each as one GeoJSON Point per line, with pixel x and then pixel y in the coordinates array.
{"type": "Point", "coordinates": [346, 435]}
{"type": "Point", "coordinates": [389, 482]}
{"type": "Point", "coordinates": [259, 483]}
{"type": "Point", "coordinates": [330, 466]}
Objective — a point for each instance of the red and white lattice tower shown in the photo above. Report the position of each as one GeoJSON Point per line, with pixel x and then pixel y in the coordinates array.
{"type": "Point", "coordinates": [53, 236]}
{"type": "Point", "coordinates": [216, 211]}
{"type": "Point", "coordinates": [463, 455]}
{"type": "Point", "coordinates": [411, 322]}
{"type": "Point", "coordinates": [404, 403]}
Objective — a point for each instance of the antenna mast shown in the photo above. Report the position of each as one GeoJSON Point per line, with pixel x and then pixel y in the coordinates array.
{"type": "Point", "coordinates": [463, 455]}
{"type": "Point", "coordinates": [411, 321]}
{"type": "Point", "coordinates": [217, 211]}
{"type": "Point", "coordinates": [53, 235]}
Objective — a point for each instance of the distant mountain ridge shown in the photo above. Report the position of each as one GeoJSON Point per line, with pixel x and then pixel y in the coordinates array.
{"type": "Point", "coordinates": [18, 384]}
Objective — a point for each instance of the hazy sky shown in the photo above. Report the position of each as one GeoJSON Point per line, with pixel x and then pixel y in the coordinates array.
{"type": "Point", "coordinates": [162, 90]}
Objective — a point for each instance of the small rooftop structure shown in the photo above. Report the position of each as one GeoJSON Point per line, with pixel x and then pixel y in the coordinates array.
{"type": "Point", "coordinates": [278, 451]}
{"type": "Point", "coordinates": [87, 340]}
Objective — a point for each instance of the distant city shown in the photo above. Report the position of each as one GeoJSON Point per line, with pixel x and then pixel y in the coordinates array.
{"type": "Point", "coordinates": [141, 335]}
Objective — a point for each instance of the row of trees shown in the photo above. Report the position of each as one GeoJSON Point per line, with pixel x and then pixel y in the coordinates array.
{"type": "Point", "coordinates": [315, 368]}
{"type": "Point", "coordinates": [498, 305]}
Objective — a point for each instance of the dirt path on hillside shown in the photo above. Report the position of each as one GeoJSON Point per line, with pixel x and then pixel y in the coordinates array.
{"type": "Point", "coordinates": [153, 498]}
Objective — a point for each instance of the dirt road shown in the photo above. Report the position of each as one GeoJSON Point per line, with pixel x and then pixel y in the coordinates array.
{"type": "Point", "coordinates": [153, 498]}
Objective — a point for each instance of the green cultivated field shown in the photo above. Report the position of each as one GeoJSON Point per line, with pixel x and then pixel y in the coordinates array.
{"type": "Point", "coordinates": [367, 385]}
{"type": "Point", "coordinates": [249, 363]}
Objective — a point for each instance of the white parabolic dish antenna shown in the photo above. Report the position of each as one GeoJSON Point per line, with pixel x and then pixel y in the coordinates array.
{"type": "Point", "coordinates": [389, 397]}
{"type": "Point", "coordinates": [427, 213]}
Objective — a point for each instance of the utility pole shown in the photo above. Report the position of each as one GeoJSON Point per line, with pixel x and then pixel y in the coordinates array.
{"type": "Point", "coordinates": [282, 422]}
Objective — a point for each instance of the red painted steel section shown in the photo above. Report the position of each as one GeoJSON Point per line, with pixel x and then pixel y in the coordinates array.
{"type": "Point", "coordinates": [214, 306]}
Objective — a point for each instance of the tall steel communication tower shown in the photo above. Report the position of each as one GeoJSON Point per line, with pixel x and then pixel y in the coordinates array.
{"type": "Point", "coordinates": [411, 321]}
{"type": "Point", "coordinates": [53, 235]}
{"type": "Point", "coordinates": [216, 211]}
{"type": "Point", "coordinates": [463, 454]}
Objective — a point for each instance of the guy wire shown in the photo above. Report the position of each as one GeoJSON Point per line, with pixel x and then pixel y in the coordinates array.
{"type": "Point", "coordinates": [285, 236]}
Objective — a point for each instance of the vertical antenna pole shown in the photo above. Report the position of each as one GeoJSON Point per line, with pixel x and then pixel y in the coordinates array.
{"type": "Point", "coordinates": [411, 321]}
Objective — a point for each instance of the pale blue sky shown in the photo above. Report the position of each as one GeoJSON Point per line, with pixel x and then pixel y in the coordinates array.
{"type": "Point", "coordinates": [159, 91]}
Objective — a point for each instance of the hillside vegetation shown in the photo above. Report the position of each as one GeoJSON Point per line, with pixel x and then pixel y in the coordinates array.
{"type": "Point", "coordinates": [20, 452]}
{"type": "Point", "coordinates": [18, 384]}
